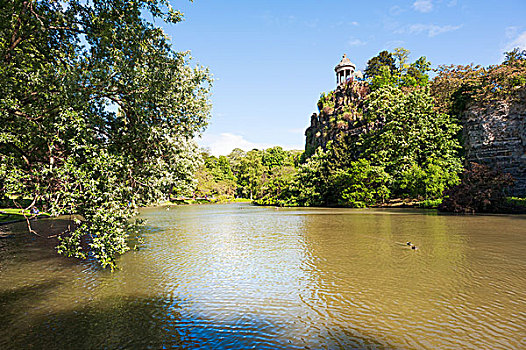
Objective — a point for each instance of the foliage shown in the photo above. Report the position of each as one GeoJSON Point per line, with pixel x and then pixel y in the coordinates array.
{"type": "Point", "coordinates": [312, 180]}
{"type": "Point", "coordinates": [427, 182]}
{"type": "Point", "coordinates": [264, 175]}
{"type": "Point", "coordinates": [215, 177]}
{"type": "Point", "coordinates": [249, 172]}
{"type": "Point", "coordinates": [322, 181]}
{"type": "Point", "coordinates": [455, 88]}
{"type": "Point", "coordinates": [481, 190]}
{"type": "Point", "coordinates": [393, 69]}
{"type": "Point", "coordinates": [384, 77]}
{"type": "Point", "coordinates": [398, 139]}
{"type": "Point", "coordinates": [278, 187]}
{"type": "Point", "coordinates": [415, 143]}
{"type": "Point", "coordinates": [399, 143]}
{"type": "Point", "coordinates": [375, 64]}
{"type": "Point", "coordinates": [417, 73]}
{"type": "Point", "coordinates": [98, 113]}
{"type": "Point", "coordinates": [516, 201]}
{"type": "Point", "coordinates": [274, 157]}
{"type": "Point", "coordinates": [361, 184]}
{"type": "Point", "coordinates": [326, 101]}
{"type": "Point", "coordinates": [430, 203]}
{"type": "Point", "coordinates": [11, 214]}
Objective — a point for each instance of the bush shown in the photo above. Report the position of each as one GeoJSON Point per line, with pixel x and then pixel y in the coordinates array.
{"type": "Point", "coordinates": [362, 184]}
{"type": "Point", "coordinates": [482, 190]}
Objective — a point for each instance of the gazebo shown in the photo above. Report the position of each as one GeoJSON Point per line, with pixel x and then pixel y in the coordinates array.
{"type": "Point", "coordinates": [344, 70]}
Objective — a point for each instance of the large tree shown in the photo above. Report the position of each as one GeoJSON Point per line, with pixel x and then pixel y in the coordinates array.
{"type": "Point", "coordinates": [375, 64]}
{"type": "Point", "coordinates": [98, 113]}
{"type": "Point", "coordinates": [415, 143]}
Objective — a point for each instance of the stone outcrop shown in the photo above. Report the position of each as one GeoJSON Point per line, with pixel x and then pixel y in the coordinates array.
{"type": "Point", "coordinates": [340, 115]}
{"type": "Point", "coordinates": [495, 135]}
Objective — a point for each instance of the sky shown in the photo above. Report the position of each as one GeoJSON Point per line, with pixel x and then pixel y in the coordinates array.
{"type": "Point", "coordinates": [272, 59]}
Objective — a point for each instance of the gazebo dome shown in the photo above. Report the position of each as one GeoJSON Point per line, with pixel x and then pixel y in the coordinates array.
{"type": "Point", "coordinates": [345, 63]}
{"type": "Point", "coordinates": [345, 70]}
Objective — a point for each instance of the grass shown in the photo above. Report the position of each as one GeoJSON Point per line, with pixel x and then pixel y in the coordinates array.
{"type": "Point", "coordinates": [206, 201]}
{"type": "Point", "coordinates": [520, 202]}
{"type": "Point", "coordinates": [430, 203]}
{"type": "Point", "coordinates": [11, 214]}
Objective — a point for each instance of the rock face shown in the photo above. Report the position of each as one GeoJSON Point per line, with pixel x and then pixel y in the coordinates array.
{"type": "Point", "coordinates": [340, 115]}
{"type": "Point", "coordinates": [495, 135]}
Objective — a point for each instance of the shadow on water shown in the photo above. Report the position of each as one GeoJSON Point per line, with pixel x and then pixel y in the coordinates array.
{"type": "Point", "coordinates": [125, 322]}
{"type": "Point", "coordinates": [111, 323]}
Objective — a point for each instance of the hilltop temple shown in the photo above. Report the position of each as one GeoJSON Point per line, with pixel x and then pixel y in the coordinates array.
{"type": "Point", "coordinates": [346, 70]}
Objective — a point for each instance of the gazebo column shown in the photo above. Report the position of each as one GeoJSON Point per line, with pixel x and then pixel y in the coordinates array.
{"type": "Point", "coordinates": [344, 70]}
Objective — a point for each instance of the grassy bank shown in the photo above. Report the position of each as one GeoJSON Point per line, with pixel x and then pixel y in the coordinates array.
{"type": "Point", "coordinates": [520, 202]}
{"type": "Point", "coordinates": [12, 215]}
{"type": "Point", "coordinates": [218, 200]}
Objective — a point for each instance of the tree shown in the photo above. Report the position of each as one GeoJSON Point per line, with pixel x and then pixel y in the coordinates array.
{"type": "Point", "coordinates": [361, 184]}
{"type": "Point", "coordinates": [383, 70]}
{"type": "Point", "coordinates": [215, 177]}
{"type": "Point", "coordinates": [513, 56]}
{"type": "Point", "coordinates": [97, 113]}
{"type": "Point", "coordinates": [457, 88]}
{"type": "Point", "coordinates": [408, 136]}
{"type": "Point", "coordinates": [417, 73]}
{"type": "Point", "coordinates": [250, 173]}
{"type": "Point", "coordinates": [274, 157]}
{"type": "Point", "coordinates": [482, 190]}
{"type": "Point", "coordinates": [401, 56]}
{"type": "Point", "coordinates": [374, 65]}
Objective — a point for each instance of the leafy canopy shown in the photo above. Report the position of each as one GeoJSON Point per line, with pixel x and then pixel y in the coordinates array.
{"type": "Point", "coordinates": [97, 113]}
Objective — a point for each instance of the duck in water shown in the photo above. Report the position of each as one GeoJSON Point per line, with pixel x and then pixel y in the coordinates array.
{"type": "Point", "coordinates": [414, 247]}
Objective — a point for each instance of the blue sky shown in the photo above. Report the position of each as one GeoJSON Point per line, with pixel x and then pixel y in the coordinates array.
{"type": "Point", "coordinates": [272, 59]}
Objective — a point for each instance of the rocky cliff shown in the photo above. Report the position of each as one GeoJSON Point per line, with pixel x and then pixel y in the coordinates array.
{"type": "Point", "coordinates": [339, 116]}
{"type": "Point", "coordinates": [495, 134]}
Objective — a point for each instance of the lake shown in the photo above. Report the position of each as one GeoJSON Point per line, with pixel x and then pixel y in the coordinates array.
{"type": "Point", "coordinates": [238, 276]}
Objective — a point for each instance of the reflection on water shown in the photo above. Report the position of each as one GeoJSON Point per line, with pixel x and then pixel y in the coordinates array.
{"type": "Point", "coordinates": [238, 276]}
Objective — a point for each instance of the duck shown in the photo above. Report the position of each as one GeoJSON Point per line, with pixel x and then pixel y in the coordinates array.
{"type": "Point", "coordinates": [414, 247]}
{"type": "Point", "coordinates": [409, 243]}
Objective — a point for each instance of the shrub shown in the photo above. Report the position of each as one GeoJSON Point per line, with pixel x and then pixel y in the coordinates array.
{"type": "Point", "coordinates": [481, 190]}
{"type": "Point", "coordinates": [362, 184]}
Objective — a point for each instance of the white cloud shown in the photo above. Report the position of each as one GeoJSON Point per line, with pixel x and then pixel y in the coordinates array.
{"type": "Point", "coordinates": [356, 42]}
{"type": "Point", "coordinates": [423, 6]}
{"type": "Point", "coordinates": [394, 44]}
{"type": "Point", "coordinates": [313, 23]}
{"type": "Point", "coordinates": [344, 23]}
{"type": "Point", "coordinates": [511, 32]}
{"type": "Point", "coordinates": [519, 41]}
{"type": "Point", "coordinates": [431, 29]}
{"type": "Point", "coordinates": [396, 10]}
{"type": "Point", "coordinates": [224, 143]}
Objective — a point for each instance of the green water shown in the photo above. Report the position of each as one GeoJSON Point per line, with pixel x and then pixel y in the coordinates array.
{"type": "Point", "coordinates": [238, 276]}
